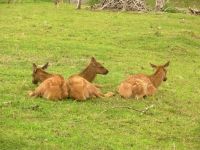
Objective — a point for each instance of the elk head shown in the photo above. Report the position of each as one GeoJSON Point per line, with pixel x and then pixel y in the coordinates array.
{"type": "Point", "coordinates": [99, 69]}
{"type": "Point", "coordinates": [37, 73]}
{"type": "Point", "coordinates": [161, 70]}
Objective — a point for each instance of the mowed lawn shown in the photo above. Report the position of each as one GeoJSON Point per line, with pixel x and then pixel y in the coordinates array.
{"type": "Point", "coordinates": [125, 43]}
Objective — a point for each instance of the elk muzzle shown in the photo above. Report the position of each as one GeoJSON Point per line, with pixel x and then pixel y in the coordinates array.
{"type": "Point", "coordinates": [34, 82]}
{"type": "Point", "coordinates": [106, 72]}
{"type": "Point", "coordinates": [165, 79]}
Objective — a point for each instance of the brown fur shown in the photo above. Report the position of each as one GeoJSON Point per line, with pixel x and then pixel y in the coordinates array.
{"type": "Point", "coordinates": [140, 85]}
{"type": "Point", "coordinates": [53, 88]}
{"type": "Point", "coordinates": [91, 71]}
{"type": "Point", "coordinates": [39, 75]}
{"type": "Point", "coordinates": [94, 68]}
{"type": "Point", "coordinates": [79, 86]}
{"type": "Point", "coordinates": [80, 89]}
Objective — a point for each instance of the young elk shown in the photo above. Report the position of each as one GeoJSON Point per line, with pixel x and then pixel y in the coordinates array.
{"type": "Point", "coordinates": [80, 89]}
{"type": "Point", "coordinates": [39, 74]}
{"type": "Point", "coordinates": [140, 85]}
{"type": "Point", "coordinates": [90, 72]}
{"type": "Point", "coordinates": [53, 86]}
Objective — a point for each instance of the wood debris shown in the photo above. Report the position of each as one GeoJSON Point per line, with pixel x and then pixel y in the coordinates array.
{"type": "Point", "coordinates": [194, 11]}
{"type": "Point", "coordinates": [142, 111]}
{"type": "Point", "coordinates": [121, 5]}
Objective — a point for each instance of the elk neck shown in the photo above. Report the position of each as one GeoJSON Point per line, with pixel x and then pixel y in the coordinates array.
{"type": "Point", "coordinates": [156, 78]}
{"type": "Point", "coordinates": [44, 75]}
{"type": "Point", "coordinates": [88, 73]}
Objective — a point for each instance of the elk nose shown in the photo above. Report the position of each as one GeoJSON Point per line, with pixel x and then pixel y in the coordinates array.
{"type": "Point", "coordinates": [34, 82]}
{"type": "Point", "coordinates": [165, 79]}
{"type": "Point", "coordinates": [106, 72]}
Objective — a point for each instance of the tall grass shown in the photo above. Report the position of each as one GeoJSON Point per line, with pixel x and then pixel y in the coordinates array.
{"type": "Point", "coordinates": [125, 43]}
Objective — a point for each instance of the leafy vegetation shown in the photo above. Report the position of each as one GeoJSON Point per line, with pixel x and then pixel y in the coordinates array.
{"type": "Point", "coordinates": [125, 43]}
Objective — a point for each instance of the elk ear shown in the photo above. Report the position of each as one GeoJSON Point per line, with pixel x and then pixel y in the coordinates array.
{"type": "Point", "coordinates": [166, 65]}
{"type": "Point", "coordinates": [93, 60]}
{"type": "Point", "coordinates": [153, 66]}
{"type": "Point", "coordinates": [34, 67]}
{"type": "Point", "coordinates": [45, 66]}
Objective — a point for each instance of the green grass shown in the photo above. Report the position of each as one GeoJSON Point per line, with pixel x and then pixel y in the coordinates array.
{"type": "Point", "coordinates": [125, 43]}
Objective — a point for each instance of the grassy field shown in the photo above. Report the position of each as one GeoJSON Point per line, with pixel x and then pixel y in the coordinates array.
{"type": "Point", "coordinates": [125, 43]}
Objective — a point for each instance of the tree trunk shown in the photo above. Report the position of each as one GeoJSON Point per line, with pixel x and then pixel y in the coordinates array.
{"type": "Point", "coordinates": [78, 4]}
{"type": "Point", "coordinates": [124, 5]}
{"type": "Point", "coordinates": [57, 3]}
{"type": "Point", "coordinates": [159, 5]}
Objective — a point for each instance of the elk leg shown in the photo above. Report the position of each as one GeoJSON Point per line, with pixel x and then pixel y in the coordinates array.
{"type": "Point", "coordinates": [33, 94]}
{"type": "Point", "coordinates": [100, 86]}
{"type": "Point", "coordinates": [109, 94]}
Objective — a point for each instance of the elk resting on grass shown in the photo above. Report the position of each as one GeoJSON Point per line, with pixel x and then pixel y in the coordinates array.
{"type": "Point", "coordinates": [80, 89]}
{"type": "Point", "coordinates": [53, 86]}
{"type": "Point", "coordinates": [54, 83]}
{"type": "Point", "coordinates": [39, 75]}
{"type": "Point", "coordinates": [140, 85]}
{"type": "Point", "coordinates": [90, 72]}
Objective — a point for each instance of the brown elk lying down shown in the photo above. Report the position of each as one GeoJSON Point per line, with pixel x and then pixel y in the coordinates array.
{"type": "Point", "coordinates": [39, 75]}
{"type": "Point", "coordinates": [87, 76]}
{"type": "Point", "coordinates": [53, 86]}
{"type": "Point", "coordinates": [90, 72]}
{"type": "Point", "coordinates": [80, 89]}
{"type": "Point", "coordinates": [140, 85]}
